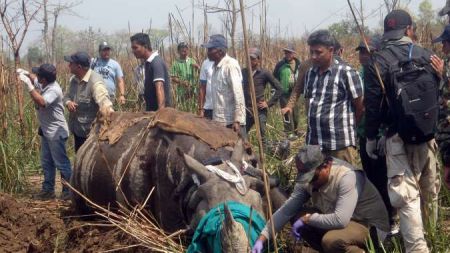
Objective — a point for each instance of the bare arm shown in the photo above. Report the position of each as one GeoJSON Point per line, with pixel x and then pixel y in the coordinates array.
{"type": "Point", "coordinates": [358, 103]}
{"type": "Point", "coordinates": [201, 98]}
{"type": "Point", "coordinates": [159, 86]}
{"type": "Point", "coordinates": [37, 98]}
{"type": "Point", "coordinates": [121, 86]}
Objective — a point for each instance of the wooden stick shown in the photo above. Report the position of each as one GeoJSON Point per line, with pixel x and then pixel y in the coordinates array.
{"type": "Point", "coordinates": [257, 123]}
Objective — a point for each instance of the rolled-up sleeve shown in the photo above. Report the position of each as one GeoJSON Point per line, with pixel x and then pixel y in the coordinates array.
{"type": "Point", "coordinates": [235, 80]}
{"type": "Point", "coordinates": [289, 209]}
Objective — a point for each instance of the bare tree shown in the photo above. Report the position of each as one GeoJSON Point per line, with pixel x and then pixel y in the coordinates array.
{"type": "Point", "coordinates": [16, 17]}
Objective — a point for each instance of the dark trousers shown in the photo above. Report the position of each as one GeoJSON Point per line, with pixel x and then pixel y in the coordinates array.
{"type": "Point", "coordinates": [78, 141]}
{"type": "Point", "coordinates": [208, 113]}
{"type": "Point", "coordinates": [250, 121]}
{"type": "Point", "coordinates": [376, 171]}
{"type": "Point", "coordinates": [290, 122]}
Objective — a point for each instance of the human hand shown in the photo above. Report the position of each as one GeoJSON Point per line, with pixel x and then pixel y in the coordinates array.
{"type": "Point", "coordinates": [262, 105]}
{"type": "Point", "coordinates": [72, 106]}
{"type": "Point", "coordinates": [371, 147]}
{"type": "Point", "coordinates": [236, 127]}
{"type": "Point", "coordinates": [296, 229]}
{"type": "Point", "coordinates": [121, 100]}
{"type": "Point", "coordinates": [438, 65]}
{"type": "Point", "coordinates": [26, 81]}
{"type": "Point", "coordinates": [286, 110]}
{"type": "Point", "coordinates": [258, 246]}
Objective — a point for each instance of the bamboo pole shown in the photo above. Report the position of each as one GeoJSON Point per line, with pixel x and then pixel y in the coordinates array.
{"type": "Point", "coordinates": [257, 123]}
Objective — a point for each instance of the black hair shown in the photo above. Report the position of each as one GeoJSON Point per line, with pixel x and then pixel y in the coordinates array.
{"type": "Point", "coordinates": [321, 37]}
{"type": "Point", "coordinates": [49, 77]}
{"type": "Point", "coordinates": [142, 39]}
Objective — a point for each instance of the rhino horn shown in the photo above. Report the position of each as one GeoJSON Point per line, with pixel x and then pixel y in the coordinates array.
{"type": "Point", "coordinates": [238, 152]}
{"type": "Point", "coordinates": [196, 167]}
{"type": "Point", "coordinates": [233, 236]}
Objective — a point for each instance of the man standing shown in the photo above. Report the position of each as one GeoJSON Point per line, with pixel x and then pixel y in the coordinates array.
{"type": "Point", "coordinates": [443, 133]}
{"type": "Point", "coordinates": [183, 72]}
{"type": "Point", "coordinates": [226, 83]}
{"type": "Point", "coordinates": [409, 109]}
{"type": "Point", "coordinates": [260, 78]}
{"type": "Point", "coordinates": [205, 105]}
{"type": "Point", "coordinates": [85, 96]}
{"type": "Point", "coordinates": [333, 90]}
{"type": "Point", "coordinates": [345, 203]}
{"type": "Point", "coordinates": [157, 89]}
{"type": "Point", "coordinates": [111, 72]}
{"type": "Point", "coordinates": [48, 96]}
{"type": "Point", "coordinates": [286, 71]}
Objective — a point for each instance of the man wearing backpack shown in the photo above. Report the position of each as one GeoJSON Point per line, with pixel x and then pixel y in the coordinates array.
{"type": "Point", "coordinates": [405, 100]}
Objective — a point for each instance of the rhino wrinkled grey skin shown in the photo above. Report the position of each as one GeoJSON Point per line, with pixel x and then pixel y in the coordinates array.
{"type": "Point", "coordinates": [149, 158]}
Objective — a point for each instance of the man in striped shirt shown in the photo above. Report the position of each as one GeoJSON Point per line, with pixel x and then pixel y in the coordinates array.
{"type": "Point", "coordinates": [333, 91]}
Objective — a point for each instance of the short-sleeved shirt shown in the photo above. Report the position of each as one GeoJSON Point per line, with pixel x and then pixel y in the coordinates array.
{"type": "Point", "coordinates": [331, 114]}
{"type": "Point", "coordinates": [51, 117]}
{"type": "Point", "coordinates": [227, 92]}
{"type": "Point", "coordinates": [206, 71]}
{"type": "Point", "coordinates": [184, 70]}
{"type": "Point", "coordinates": [156, 70]}
{"type": "Point", "coordinates": [110, 71]}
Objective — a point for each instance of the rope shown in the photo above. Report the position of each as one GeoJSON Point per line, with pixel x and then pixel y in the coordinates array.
{"type": "Point", "coordinates": [236, 179]}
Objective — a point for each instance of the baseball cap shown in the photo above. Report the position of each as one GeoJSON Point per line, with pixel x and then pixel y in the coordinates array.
{"type": "Point", "coordinates": [290, 48]}
{"type": "Point", "coordinates": [46, 70]}
{"type": "Point", "coordinates": [103, 45]}
{"type": "Point", "coordinates": [216, 41]}
{"type": "Point", "coordinates": [374, 43]}
{"type": "Point", "coordinates": [395, 24]}
{"type": "Point", "coordinates": [446, 9]}
{"type": "Point", "coordinates": [81, 58]}
{"type": "Point", "coordinates": [254, 52]}
{"type": "Point", "coordinates": [311, 157]}
{"type": "Point", "coordinates": [444, 36]}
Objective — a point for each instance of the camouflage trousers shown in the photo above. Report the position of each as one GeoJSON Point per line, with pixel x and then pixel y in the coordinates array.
{"type": "Point", "coordinates": [443, 140]}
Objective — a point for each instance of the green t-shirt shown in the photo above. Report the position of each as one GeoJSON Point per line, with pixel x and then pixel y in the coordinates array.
{"type": "Point", "coordinates": [184, 70]}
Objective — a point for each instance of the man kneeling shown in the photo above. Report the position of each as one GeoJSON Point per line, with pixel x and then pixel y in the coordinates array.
{"type": "Point", "coordinates": [346, 204]}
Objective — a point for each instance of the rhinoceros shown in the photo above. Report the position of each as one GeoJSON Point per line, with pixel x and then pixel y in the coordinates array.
{"type": "Point", "coordinates": [193, 164]}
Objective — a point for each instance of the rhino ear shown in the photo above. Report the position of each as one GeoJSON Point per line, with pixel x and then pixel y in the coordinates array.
{"type": "Point", "coordinates": [238, 152]}
{"type": "Point", "coordinates": [229, 220]}
{"type": "Point", "coordinates": [196, 167]}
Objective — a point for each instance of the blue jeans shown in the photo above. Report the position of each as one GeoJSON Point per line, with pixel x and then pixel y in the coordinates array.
{"type": "Point", "coordinates": [54, 155]}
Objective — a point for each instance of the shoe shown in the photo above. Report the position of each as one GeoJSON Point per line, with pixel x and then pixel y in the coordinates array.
{"type": "Point", "coordinates": [44, 195]}
{"type": "Point", "coordinates": [65, 196]}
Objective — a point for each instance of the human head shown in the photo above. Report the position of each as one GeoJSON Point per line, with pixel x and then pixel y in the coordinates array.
{"type": "Point", "coordinates": [396, 23]}
{"type": "Point", "coordinates": [444, 38]}
{"type": "Point", "coordinates": [217, 47]}
{"type": "Point", "coordinates": [255, 57]}
{"type": "Point", "coordinates": [46, 73]}
{"type": "Point", "coordinates": [104, 50]}
{"type": "Point", "coordinates": [289, 52]}
{"type": "Point", "coordinates": [183, 50]}
{"type": "Point", "coordinates": [310, 163]}
{"type": "Point", "coordinates": [79, 63]}
{"type": "Point", "coordinates": [140, 45]}
{"type": "Point", "coordinates": [321, 47]}
{"type": "Point", "coordinates": [364, 55]}
{"type": "Point", "coordinates": [445, 10]}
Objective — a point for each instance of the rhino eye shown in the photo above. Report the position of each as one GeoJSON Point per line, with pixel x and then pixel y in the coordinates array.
{"type": "Point", "coordinates": [212, 161]}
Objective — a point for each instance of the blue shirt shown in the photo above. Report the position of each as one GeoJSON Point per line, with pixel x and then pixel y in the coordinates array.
{"type": "Point", "coordinates": [110, 71]}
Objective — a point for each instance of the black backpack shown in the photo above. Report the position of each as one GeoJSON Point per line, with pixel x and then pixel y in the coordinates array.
{"type": "Point", "coordinates": [414, 93]}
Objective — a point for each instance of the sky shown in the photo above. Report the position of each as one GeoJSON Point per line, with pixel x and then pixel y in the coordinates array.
{"type": "Point", "coordinates": [293, 17]}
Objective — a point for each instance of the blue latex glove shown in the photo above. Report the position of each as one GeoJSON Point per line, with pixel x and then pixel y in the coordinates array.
{"type": "Point", "coordinates": [296, 229]}
{"type": "Point", "coordinates": [258, 247]}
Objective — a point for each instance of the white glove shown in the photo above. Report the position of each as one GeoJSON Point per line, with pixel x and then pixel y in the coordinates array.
{"type": "Point", "coordinates": [371, 148]}
{"type": "Point", "coordinates": [27, 81]}
{"type": "Point", "coordinates": [381, 146]}
{"type": "Point", "coordinates": [22, 71]}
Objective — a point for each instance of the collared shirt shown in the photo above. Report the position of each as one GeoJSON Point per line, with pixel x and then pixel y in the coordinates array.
{"type": "Point", "coordinates": [227, 93]}
{"type": "Point", "coordinates": [206, 71]}
{"type": "Point", "coordinates": [51, 116]}
{"type": "Point", "coordinates": [331, 116]}
{"type": "Point", "coordinates": [156, 70]}
{"type": "Point", "coordinates": [260, 78]}
{"type": "Point", "coordinates": [99, 91]}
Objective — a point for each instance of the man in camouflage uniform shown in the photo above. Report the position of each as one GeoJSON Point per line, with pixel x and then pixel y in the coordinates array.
{"type": "Point", "coordinates": [443, 134]}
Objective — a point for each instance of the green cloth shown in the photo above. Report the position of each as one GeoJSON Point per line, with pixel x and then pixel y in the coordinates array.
{"type": "Point", "coordinates": [184, 70]}
{"type": "Point", "coordinates": [207, 234]}
{"type": "Point", "coordinates": [287, 78]}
